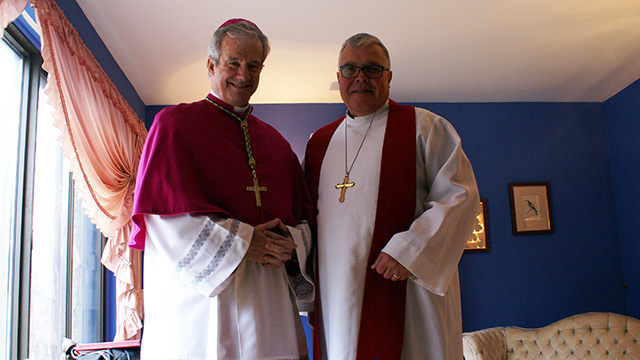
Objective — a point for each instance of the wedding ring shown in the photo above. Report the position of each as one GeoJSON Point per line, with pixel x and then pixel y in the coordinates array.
{"type": "Point", "coordinates": [395, 276]}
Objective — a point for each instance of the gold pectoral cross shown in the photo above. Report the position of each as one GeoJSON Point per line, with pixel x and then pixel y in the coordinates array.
{"type": "Point", "coordinates": [256, 190]}
{"type": "Point", "coordinates": [345, 184]}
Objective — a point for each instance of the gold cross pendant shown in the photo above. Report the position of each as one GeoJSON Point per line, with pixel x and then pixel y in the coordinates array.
{"type": "Point", "coordinates": [256, 189]}
{"type": "Point", "coordinates": [345, 184]}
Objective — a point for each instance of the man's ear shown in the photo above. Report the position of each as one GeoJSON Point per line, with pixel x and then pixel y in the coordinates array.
{"type": "Point", "coordinates": [210, 66]}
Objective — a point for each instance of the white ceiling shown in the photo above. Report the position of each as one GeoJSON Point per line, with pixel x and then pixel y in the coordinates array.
{"type": "Point", "coordinates": [441, 50]}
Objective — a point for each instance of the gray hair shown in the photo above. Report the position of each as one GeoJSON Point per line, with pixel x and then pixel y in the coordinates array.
{"type": "Point", "coordinates": [240, 30]}
{"type": "Point", "coordinates": [362, 40]}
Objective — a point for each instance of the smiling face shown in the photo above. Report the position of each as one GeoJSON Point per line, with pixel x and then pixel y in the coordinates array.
{"type": "Point", "coordinates": [362, 95]}
{"type": "Point", "coordinates": [235, 78]}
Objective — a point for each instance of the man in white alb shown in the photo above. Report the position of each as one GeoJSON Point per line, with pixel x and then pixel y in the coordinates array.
{"type": "Point", "coordinates": [397, 200]}
{"type": "Point", "coordinates": [220, 210]}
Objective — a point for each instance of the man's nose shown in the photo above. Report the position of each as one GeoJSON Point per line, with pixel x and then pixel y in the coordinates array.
{"type": "Point", "coordinates": [243, 72]}
{"type": "Point", "coordinates": [361, 76]}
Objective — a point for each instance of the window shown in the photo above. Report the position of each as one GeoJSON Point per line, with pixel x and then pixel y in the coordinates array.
{"type": "Point", "coordinates": [11, 65]}
{"type": "Point", "coordinates": [51, 259]}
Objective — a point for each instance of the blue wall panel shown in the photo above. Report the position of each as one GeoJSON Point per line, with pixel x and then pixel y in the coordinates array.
{"type": "Point", "coordinates": [623, 123]}
{"type": "Point", "coordinates": [532, 280]}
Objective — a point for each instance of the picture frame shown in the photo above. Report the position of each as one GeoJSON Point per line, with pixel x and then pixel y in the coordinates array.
{"type": "Point", "coordinates": [479, 242]}
{"type": "Point", "coordinates": [530, 208]}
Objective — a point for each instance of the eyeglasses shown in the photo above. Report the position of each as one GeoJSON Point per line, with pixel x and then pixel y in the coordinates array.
{"type": "Point", "coordinates": [371, 71]}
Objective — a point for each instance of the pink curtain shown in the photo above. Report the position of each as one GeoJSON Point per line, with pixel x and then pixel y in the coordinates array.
{"type": "Point", "coordinates": [103, 138]}
{"type": "Point", "coordinates": [9, 11]}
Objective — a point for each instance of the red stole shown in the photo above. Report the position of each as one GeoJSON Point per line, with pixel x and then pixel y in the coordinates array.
{"type": "Point", "coordinates": [382, 319]}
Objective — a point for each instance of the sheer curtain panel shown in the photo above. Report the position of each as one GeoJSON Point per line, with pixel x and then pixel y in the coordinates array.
{"type": "Point", "coordinates": [103, 138]}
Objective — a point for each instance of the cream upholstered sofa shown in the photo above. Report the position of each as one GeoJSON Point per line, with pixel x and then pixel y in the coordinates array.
{"type": "Point", "coordinates": [583, 336]}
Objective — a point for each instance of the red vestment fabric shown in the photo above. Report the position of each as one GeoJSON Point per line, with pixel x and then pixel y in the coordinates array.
{"type": "Point", "coordinates": [382, 319]}
{"type": "Point", "coordinates": [195, 161]}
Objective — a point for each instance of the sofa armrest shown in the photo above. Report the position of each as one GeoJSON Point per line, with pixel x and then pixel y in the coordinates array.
{"type": "Point", "coordinates": [486, 344]}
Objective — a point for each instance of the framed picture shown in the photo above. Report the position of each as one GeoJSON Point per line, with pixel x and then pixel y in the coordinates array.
{"type": "Point", "coordinates": [480, 239]}
{"type": "Point", "coordinates": [530, 210]}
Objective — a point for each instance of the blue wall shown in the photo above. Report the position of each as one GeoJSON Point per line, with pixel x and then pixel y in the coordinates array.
{"type": "Point", "coordinates": [623, 125]}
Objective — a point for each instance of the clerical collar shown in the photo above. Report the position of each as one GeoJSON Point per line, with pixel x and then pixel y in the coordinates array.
{"type": "Point", "coordinates": [236, 109]}
{"type": "Point", "coordinates": [383, 108]}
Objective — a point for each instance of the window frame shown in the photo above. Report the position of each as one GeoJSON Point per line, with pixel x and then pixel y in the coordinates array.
{"type": "Point", "coordinates": [21, 259]}
{"type": "Point", "coordinates": [21, 244]}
